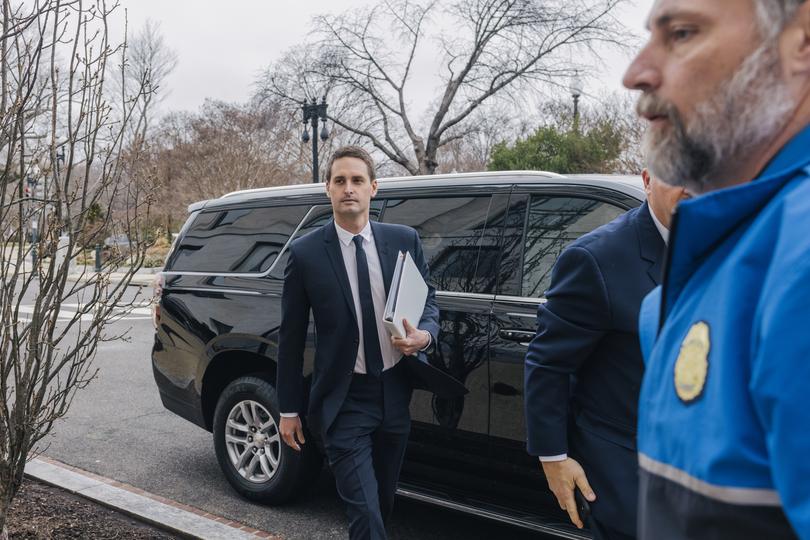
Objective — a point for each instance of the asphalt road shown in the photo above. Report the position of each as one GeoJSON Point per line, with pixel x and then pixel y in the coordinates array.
{"type": "Point", "coordinates": [118, 428]}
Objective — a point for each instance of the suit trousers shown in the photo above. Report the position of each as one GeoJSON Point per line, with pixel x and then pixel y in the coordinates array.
{"type": "Point", "coordinates": [365, 446]}
{"type": "Point", "coordinates": [611, 469]}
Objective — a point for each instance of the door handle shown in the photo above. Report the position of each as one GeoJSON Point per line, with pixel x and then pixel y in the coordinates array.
{"type": "Point", "coordinates": [521, 336]}
{"type": "Point", "coordinates": [503, 389]}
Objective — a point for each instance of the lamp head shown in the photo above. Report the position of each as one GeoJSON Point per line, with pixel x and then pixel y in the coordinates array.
{"type": "Point", "coordinates": [576, 86]}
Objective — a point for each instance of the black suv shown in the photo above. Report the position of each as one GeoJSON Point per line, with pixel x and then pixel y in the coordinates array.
{"type": "Point", "coordinates": [490, 239]}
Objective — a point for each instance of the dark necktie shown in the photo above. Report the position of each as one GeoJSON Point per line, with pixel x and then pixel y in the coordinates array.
{"type": "Point", "coordinates": [371, 341]}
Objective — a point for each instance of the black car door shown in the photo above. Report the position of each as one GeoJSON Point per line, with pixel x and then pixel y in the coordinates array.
{"type": "Point", "coordinates": [449, 437]}
{"type": "Point", "coordinates": [540, 224]}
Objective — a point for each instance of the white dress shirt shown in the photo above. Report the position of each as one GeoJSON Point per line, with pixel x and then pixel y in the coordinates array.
{"type": "Point", "coordinates": [665, 236]}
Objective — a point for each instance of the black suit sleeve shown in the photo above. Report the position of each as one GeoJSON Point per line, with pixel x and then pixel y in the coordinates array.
{"type": "Point", "coordinates": [295, 308]}
{"type": "Point", "coordinates": [430, 316]}
{"type": "Point", "coordinates": [569, 326]}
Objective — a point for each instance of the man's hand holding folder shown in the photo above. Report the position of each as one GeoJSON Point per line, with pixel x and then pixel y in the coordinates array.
{"type": "Point", "coordinates": [415, 340]}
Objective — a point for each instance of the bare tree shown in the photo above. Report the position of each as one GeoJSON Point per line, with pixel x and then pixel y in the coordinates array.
{"type": "Point", "coordinates": [487, 127]}
{"type": "Point", "coordinates": [621, 109]}
{"type": "Point", "coordinates": [488, 49]}
{"type": "Point", "coordinates": [220, 148]}
{"type": "Point", "coordinates": [146, 63]}
{"type": "Point", "coordinates": [57, 129]}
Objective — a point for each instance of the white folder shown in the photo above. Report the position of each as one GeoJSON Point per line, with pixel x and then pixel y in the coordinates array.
{"type": "Point", "coordinates": [407, 297]}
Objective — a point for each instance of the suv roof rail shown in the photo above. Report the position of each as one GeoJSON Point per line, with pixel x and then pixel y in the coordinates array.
{"type": "Point", "coordinates": [408, 178]}
{"type": "Point", "coordinates": [193, 207]}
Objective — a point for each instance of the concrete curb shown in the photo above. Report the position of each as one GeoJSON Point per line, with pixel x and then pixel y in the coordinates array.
{"type": "Point", "coordinates": [163, 513]}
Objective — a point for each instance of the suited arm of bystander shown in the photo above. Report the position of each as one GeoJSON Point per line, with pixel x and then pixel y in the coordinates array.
{"type": "Point", "coordinates": [570, 325]}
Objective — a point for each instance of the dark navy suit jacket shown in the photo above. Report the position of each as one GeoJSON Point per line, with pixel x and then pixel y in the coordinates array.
{"type": "Point", "coordinates": [584, 366]}
{"type": "Point", "coordinates": [316, 279]}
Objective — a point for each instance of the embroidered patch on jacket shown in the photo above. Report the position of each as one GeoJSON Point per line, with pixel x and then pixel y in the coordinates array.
{"type": "Point", "coordinates": [692, 364]}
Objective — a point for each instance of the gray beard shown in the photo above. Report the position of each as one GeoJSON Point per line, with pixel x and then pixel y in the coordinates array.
{"type": "Point", "coordinates": [748, 109]}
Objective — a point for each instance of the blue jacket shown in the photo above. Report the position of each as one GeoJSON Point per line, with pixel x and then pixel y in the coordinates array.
{"type": "Point", "coordinates": [724, 417]}
{"type": "Point", "coordinates": [315, 279]}
{"type": "Point", "coordinates": [588, 329]}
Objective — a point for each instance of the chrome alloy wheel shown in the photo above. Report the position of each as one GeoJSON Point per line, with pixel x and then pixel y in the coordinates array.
{"type": "Point", "coordinates": [253, 441]}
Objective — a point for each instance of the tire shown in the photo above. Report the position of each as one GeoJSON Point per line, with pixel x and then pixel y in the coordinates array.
{"type": "Point", "coordinates": [254, 459]}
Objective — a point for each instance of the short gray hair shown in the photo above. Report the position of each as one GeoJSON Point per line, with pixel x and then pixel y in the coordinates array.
{"type": "Point", "coordinates": [773, 15]}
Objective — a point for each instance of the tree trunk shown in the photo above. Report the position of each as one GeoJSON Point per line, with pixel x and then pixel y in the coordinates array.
{"type": "Point", "coordinates": [10, 483]}
{"type": "Point", "coordinates": [427, 158]}
{"type": "Point", "coordinates": [168, 236]}
{"type": "Point", "coordinates": [5, 504]}
{"type": "Point", "coordinates": [428, 165]}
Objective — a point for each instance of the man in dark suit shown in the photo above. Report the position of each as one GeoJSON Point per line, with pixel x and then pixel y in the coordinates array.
{"type": "Point", "coordinates": [584, 368]}
{"type": "Point", "coordinates": [360, 391]}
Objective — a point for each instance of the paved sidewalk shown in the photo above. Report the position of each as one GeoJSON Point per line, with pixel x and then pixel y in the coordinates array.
{"type": "Point", "coordinates": [140, 279]}
{"type": "Point", "coordinates": [166, 514]}
{"type": "Point", "coordinates": [145, 277]}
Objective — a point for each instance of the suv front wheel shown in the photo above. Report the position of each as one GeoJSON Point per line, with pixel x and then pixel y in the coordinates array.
{"type": "Point", "coordinates": [255, 460]}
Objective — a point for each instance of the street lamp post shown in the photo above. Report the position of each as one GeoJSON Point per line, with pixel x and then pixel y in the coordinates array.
{"type": "Point", "coordinates": [313, 112]}
{"type": "Point", "coordinates": [60, 162]}
{"type": "Point", "coordinates": [576, 92]}
{"type": "Point", "coordinates": [31, 183]}
{"type": "Point", "coordinates": [62, 227]}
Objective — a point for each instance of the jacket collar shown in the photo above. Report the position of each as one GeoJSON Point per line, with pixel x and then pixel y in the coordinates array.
{"type": "Point", "coordinates": [650, 244]}
{"type": "Point", "coordinates": [330, 238]}
{"type": "Point", "coordinates": [662, 230]}
{"type": "Point", "coordinates": [703, 223]}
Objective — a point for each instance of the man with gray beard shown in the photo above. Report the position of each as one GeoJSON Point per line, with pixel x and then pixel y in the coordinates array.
{"type": "Point", "coordinates": [723, 435]}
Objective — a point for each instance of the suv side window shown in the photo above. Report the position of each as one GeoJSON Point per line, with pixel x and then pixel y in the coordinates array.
{"type": "Point", "coordinates": [320, 215]}
{"type": "Point", "coordinates": [509, 221]}
{"type": "Point", "coordinates": [552, 223]}
{"type": "Point", "coordinates": [236, 239]}
{"type": "Point", "coordinates": [451, 229]}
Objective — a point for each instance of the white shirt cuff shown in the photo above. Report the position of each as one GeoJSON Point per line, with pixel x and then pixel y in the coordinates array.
{"type": "Point", "coordinates": [289, 415]}
{"type": "Point", "coordinates": [430, 342]}
{"type": "Point", "coordinates": [548, 459]}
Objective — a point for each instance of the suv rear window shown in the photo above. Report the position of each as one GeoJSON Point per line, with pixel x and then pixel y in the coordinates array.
{"type": "Point", "coordinates": [236, 239]}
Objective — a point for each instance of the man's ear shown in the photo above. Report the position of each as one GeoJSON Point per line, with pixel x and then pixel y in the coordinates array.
{"type": "Point", "coordinates": [645, 177]}
{"type": "Point", "coordinates": [374, 188]}
{"type": "Point", "coordinates": [795, 43]}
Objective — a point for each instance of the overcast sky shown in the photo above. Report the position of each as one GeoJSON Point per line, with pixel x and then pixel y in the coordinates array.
{"type": "Point", "coordinates": [223, 46]}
